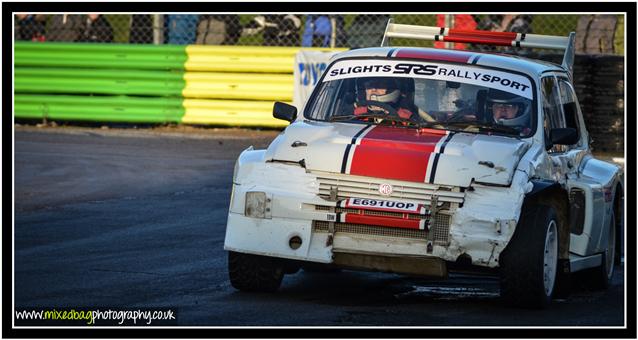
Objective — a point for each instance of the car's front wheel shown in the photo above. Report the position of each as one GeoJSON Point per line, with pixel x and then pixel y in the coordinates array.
{"type": "Point", "coordinates": [254, 273]}
{"type": "Point", "coordinates": [529, 264]}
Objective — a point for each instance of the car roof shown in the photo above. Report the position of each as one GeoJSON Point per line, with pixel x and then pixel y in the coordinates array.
{"type": "Point", "coordinates": [533, 67]}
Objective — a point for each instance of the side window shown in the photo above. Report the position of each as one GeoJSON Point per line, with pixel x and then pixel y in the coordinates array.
{"type": "Point", "coordinates": [321, 104]}
{"type": "Point", "coordinates": [570, 105]}
{"type": "Point", "coordinates": [552, 111]}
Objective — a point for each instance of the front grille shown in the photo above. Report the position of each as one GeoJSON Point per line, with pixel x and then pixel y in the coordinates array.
{"type": "Point", "coordinates": [371, 212]}
{"type": "Point", "coordinates": [368, 187]}
{"type": "Point", "coordinates": [440, 228]}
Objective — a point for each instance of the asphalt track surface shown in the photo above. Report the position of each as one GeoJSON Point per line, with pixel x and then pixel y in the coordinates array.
{"type": "Point", "coordinates": [136, 218]}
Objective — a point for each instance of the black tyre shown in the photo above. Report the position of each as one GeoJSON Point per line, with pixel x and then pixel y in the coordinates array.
{"type": "Point", "coordinates": [313, 267]}
{"type": "Point", "coordinates": [529, 264]}
{"type": "Point", "coordinates": [618, 214]}
{"type": "Point", "coordinates": [600, 277]}
{"type": "Point", "coordinates": [254, 273]}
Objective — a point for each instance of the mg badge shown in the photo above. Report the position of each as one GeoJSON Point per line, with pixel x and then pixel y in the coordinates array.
{"type": "Point", "coordinates": [385, 189]}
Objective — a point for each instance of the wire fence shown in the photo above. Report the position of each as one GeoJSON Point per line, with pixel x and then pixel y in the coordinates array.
{"type": "Point", "coordinates": [595, 34]}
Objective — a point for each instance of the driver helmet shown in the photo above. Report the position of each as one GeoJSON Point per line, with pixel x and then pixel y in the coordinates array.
{"type": "Point", "coordinates": [506, 98]}
{"type": "Point", "coordinates": [390, 84]}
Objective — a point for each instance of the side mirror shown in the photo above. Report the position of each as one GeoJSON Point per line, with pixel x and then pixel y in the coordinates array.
{"type": "Point", "coordinates": [564, 136]}
{"type": "Point", "coordinates": [284, 111]}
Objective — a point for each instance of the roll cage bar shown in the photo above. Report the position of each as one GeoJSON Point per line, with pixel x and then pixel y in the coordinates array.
{"type": "Point", "coordinates": [566, 44]}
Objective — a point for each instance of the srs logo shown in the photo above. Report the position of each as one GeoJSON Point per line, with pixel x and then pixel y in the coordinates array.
{"type": "Point", "coordinates": [385, 189]}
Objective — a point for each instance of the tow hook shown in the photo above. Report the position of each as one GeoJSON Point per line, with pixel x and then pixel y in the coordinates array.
{"type": "Point", "coordinates": [331, 227]}
{"type": "Point", "coordinates": [334, 193]}
{"type": "Point", "coordinates": [433, 210]}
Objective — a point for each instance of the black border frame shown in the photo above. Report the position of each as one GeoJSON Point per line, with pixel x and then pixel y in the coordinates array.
{"type": "Point", "coordinates": [629, 8]}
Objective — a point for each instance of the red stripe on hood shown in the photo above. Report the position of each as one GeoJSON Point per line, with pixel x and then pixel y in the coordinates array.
{"type": "Point", "coordinates": [441, 55]}
{"type": "Point", "coordinates": [395, 153]}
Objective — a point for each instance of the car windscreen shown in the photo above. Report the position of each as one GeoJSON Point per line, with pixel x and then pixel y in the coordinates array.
{"type": "Point", "coordinates": [425, 94]}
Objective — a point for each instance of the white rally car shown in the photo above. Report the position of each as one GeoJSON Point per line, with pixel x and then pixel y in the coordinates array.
{"type": "Point", "coordinates": [461, 160]}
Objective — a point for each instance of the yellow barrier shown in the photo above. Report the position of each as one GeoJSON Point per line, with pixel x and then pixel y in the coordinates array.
{"type": "Point", "coordinates": [237, 85]}
{"type": "Point", "coordinates": [239, 64]}
{"type": "Point", "coordinates": [253, 91]}
{"type": "Point", "coordinates": [230, 105]}
{"type": "Point", "coordinates": [230, 112]}
{"type": "Point", "coordinates": [231, 78]}
{"type": "Point", "coordinates": [255, 51]}
{"type": "Point", "coordinates": [244, 58]}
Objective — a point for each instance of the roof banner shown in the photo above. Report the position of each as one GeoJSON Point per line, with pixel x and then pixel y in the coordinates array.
{"type": "Point", "coordinates": [504, 81]}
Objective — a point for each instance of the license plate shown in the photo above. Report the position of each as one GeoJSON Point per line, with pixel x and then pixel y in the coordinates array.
{"type": "Point", "coordinates": [383, 205]}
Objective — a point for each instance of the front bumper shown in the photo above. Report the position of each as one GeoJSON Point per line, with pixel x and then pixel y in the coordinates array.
{"type": "Point", "coordinates": [479, 228]}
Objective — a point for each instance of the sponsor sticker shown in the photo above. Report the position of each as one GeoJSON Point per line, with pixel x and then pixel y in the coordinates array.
{"type": "Point", "coordinates": [504, 81]}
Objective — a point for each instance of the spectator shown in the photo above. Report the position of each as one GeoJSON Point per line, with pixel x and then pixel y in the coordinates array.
{"type": "Point", "coordinates": [96, 29]}
{"type": "Point", "coordinates": [218, 29]}
{"type": "Point", "coordinates": [141, 29]}
{"type": "Point", "coordinates": [181, 28]}
{"type": "Point", "coordinates": [324, 31]}
{"type": "Point", "coordinates": [29, 27]}
{"type": "Point", "coordinates": [516, 23]}
{"type": "Point", "coordinates": [65, 27]}
{"type": "Point", "coordinates": [595, 34]}
{"type": "Point", "coordinates": [506, 23]}
{"type": "Point", "coordinates": [489, 22]}
{"type": "Point", "coordinates": [278, 29]}
{"type": "Point", "coordinates": [367, 30]}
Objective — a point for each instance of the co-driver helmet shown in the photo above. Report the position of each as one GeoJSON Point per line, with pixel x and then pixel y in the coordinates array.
{"type": "Point", "coordinates": [501, 97]}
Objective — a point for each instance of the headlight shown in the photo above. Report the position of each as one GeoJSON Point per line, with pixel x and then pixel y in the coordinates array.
{"type": "Point", "coordinates": [257, 205]}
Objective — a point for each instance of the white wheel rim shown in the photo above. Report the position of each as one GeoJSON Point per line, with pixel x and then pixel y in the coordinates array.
{"type": "Point", "coordinates": [611, 248]}
{"type": "Point", "coordinates": [550, 257]}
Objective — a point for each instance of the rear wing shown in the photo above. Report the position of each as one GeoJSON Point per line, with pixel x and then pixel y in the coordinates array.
{"type": "Point", "coordinates": [566, 44]}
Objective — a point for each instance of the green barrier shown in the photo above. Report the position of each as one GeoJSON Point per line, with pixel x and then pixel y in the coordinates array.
{"type": "Point", "coordinates": [99, 109]}
{"type": "Point", "coordinates": [100, 100]}
{"type": "Point", "coordinates": [97, 86]}
{"type": "Point", "coordinates": [87, 55]}
{"type": "Point", "coordinates": [103, 62]}
{"type": "Point", "coordinates": [99, 82]}
{"type": "Point", "coordinates": [102, 56]}
{"type": "Point", "coordinates": [99, 114]}
{"type": "Point", "coordinates": [76, 46]}
{"type": "Point", "coordinates": [98, 73]}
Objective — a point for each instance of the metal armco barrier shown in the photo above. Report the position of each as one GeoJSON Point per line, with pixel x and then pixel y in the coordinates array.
{"type": "Point", "coordinates": [215, 85]}
{"type": "Point", "coordinates": [99, 108]}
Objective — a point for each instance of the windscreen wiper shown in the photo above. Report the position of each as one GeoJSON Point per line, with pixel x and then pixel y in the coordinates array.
{"type": "Point", "coordinates": [485, 126]}
{"type": "Point", "coordinates": [436, 125]}
{"type": "Point", "coordinates": [348, 117]}
{"type": "Point", "coordinates": [375, 115]}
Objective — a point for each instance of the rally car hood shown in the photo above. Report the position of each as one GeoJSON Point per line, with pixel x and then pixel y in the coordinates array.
{"type": "Point", "coordinates": [426, 155]}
